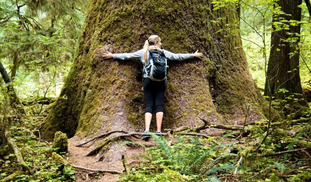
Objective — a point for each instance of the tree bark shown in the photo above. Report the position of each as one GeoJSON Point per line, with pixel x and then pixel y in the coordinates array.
{"type": "Point", "coordinates": [283, 65]}
{"type": "Point", "coordinates": [100, 96]}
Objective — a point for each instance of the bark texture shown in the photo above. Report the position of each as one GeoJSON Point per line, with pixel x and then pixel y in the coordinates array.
{"type": "Point", "coordinates": [102, 95]}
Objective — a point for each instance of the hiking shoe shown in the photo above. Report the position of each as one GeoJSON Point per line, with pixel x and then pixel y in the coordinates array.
{"type": "Point", "coordinates": [146, 136]}
{"type": "Point", "coordinates": [159, 132]}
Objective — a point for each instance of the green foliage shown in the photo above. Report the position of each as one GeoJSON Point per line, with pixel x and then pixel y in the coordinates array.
{"type": "Point", "coordinates": [303, 175]}
{"type": "Point", "coordinates": [37, 43]}
{"type": "Point", "coordinates": [189, 159]}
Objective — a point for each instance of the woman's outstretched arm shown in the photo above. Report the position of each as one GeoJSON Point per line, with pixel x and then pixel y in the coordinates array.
{"type": "Point", "coordinates": [124, 56]}
{"type": "Point", "coordinates": [179, 57]}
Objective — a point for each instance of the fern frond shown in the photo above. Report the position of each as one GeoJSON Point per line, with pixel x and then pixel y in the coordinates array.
{"type": "Point", "coordinates": [214, 162]}
{"type": "Point", "coordinates": [222, 168]}
{"type": "Point", "coordinates": [163, 146]}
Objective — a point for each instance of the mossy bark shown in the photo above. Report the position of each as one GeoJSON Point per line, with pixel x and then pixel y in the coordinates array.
{"type": "Point", "coordinates": [103, 95]}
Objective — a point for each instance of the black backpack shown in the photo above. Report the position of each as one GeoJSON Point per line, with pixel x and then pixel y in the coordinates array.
{"type": "Point", "coordinates": [156, 69]}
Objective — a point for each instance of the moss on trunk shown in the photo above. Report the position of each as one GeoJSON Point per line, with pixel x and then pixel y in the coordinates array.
{"type": "Point", "coordinates": [103, 95]}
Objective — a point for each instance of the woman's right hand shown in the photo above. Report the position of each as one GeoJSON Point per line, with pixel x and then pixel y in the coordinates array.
{"type": "Point", "coordinates": [108, 55]}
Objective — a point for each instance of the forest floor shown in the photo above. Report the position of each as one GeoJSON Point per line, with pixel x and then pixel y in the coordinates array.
{"type": "Point", "coordinates": [118, 157]}
{"type": "Point", "coordinates": [229, 156]}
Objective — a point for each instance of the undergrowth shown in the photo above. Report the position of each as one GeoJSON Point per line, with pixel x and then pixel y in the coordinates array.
{"type": "Point", "coordinates": [284, 156]}
{"type": "Point", "coordinates": [36, 153]}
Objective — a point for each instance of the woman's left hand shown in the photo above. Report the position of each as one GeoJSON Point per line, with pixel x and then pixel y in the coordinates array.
{"type": "Point", "coordinates": [198, 55]}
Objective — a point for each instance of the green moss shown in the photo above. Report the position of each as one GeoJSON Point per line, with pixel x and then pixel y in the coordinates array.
{"type": "Point", "coordinates": [60, 143]}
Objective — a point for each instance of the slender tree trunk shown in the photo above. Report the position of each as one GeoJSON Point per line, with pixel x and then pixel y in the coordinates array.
{"type": "Point", "coordinates": [14, 100]}
{"type": "Point", "coordinates": [283, 77]}
{"type": "Point", "coordinates": [102, 95]}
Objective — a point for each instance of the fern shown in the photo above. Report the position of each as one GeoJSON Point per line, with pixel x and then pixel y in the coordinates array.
{"type": "Point", "coordinates": [187, 157]}
{"type": "Point", "coordinates": [163, 145]}
{"type": "Point", "coordinates": [213, 179]}
{"type": "Point", "coordinates": [222, 168]}
{"type": "Point", "coordinates": [214, 162]}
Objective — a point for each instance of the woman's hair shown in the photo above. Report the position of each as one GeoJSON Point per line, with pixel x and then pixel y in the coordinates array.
{"type": "Point", "coordinates": [153, 39]}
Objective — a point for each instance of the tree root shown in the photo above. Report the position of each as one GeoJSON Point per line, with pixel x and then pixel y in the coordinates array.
{"type": "Point", "coordinates": [178, 131]}
{"type": "Point", "coordinates": [98, 137]}
{"type": "Point", "coordinates": [175, 131]}
{"type": "Point", "coordinates": [96, 170]}
{"type": "Point", "coordinates": [112, 139]}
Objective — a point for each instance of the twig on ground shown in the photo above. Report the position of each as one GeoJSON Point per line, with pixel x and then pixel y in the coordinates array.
{"type": "Point", "coordinates": [238, 165]}
{"type": "Point", "coordinates": [283, 152]}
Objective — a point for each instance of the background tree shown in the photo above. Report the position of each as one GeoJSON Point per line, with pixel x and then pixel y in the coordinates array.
{"type": "Point", "coordinates": [283, 77]}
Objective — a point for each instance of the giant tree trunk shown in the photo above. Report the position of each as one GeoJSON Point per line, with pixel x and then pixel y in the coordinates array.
{"type": "Point", "coordinates": [283, 66]}
{"type": "Point", "coordinates": [103, 95]}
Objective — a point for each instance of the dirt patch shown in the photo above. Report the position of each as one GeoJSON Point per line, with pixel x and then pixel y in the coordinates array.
{"type": "Point", "coordinates": [110, 160]}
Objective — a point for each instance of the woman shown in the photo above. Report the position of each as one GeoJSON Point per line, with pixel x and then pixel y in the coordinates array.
{"type": "Point", "coordinates": [153, 90]}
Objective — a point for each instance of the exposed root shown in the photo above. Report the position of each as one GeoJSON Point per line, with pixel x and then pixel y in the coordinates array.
{"type": "Point", "coordinates": [178, 131]}
{"type": "Point", "coordinates": [96, 170]}
{"type": "Point", "coordinates": [112, 139]}
{"type": "Point", "coordinates": [98, 137]}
